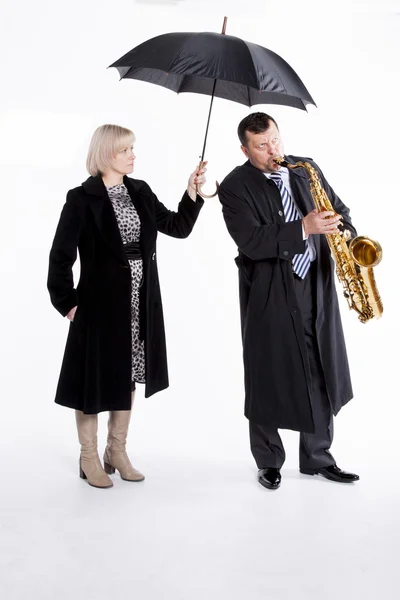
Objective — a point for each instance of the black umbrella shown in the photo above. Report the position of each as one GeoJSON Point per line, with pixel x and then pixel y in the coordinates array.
{"type": "Point", "coordinates": [215, 64]}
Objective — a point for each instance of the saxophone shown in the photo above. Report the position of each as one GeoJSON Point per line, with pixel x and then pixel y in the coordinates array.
{"type": "Point", "coordinates": [354, 261]}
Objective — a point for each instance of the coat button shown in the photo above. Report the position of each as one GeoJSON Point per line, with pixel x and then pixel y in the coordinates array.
{"type": "Point", "coordinates": [154, 256]}
{"type": "Point", "coordinates": [280, 213]}
{"type": "Point", "coordinates": [285, 253]}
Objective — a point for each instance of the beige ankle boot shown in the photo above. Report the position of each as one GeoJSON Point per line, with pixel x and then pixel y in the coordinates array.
{"type": "Point", "coordinates": [89, 463]}
{"type": "Point", "coordinates": [115, 456]}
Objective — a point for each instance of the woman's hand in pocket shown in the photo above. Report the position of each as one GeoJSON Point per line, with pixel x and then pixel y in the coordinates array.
{"type": "Point", "coordinates": [71, 313]}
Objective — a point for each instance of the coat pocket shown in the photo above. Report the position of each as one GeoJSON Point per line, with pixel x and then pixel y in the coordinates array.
{"type": "Point", "coordinates": [78, 316]}
{"type": "Point", "coordinates": [249, 269]}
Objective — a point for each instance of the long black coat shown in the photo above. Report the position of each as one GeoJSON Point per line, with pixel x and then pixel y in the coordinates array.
{"type": "Point", "coordinates": [277, 378]}
{"type": "Point", "coordinates": [96, 370]}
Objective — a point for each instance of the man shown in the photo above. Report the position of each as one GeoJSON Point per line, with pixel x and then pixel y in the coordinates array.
{"type": "Point", "coordinates": [296, 371]}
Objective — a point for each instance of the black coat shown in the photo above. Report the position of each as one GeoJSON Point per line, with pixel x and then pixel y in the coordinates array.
{"type": "Point", "coordinates": [277, 378]}
{"type": "Point", "coordinates": [96, 370]}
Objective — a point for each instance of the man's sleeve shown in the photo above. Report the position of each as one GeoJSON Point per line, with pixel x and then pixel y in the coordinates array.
{"type": "Point", "coordinates": [256, 240]}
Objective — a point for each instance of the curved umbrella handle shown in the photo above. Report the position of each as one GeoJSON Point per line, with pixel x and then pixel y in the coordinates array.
{"type": "Point", "coordinates": [200, 193]}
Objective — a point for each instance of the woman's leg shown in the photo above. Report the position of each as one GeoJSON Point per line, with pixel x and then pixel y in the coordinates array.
{"type": "Point", "coordinates": [89, 463]}
{"type": "Point", "coordinates": [115, 456]}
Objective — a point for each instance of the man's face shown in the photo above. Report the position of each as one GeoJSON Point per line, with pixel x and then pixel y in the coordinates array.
{"type": "Point", "coordinates": [262, 148]}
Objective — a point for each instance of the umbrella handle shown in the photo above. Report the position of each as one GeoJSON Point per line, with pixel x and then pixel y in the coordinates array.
{"type": "Point", "coordinates": [198, 190]}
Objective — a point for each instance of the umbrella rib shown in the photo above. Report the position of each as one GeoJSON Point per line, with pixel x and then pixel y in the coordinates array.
{"type": "Point", "coordinates": [252, 61]}
{"type": "Point", "coordinates": [276, 69]}
{"type": "Point", "coordinates": [178, 91]}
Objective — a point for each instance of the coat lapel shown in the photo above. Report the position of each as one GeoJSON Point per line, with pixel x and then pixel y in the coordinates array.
{"type": "Point", "coordinates": [270, 191]}
{"type": "Point", "coordinates": [299, 182]}
{"type": "Point", "coordinates": [141, 197]}
{"type": "Point", "coordinates": [107, 223]}
{"type": "Point", "coordinates": [104, 215]}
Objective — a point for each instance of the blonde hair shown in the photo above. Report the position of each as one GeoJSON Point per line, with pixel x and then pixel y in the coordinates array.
{"type": "Point", "coordinates": [106, 142]}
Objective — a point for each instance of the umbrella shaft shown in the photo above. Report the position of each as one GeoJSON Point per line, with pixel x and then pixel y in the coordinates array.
{"type": "Point", "coordinates": [208, 120]}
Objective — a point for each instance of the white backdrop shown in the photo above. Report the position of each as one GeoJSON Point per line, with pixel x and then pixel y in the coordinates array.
{"type": "Point", "coordinates": [56, 90]}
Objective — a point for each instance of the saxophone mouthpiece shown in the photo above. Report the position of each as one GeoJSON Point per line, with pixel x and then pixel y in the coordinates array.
{"type": "Point", "coordinates": [280, 161]}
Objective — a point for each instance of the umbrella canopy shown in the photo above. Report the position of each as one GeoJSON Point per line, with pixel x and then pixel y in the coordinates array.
{"type": "Point", "coordinates": [216, 65]}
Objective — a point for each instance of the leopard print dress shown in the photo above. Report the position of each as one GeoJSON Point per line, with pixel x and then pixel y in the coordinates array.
{"type": "Point", "coordinates": [129, 228]}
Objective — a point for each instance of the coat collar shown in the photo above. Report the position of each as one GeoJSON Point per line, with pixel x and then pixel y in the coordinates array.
{"type": "Point", "coordinates": [293, 160]}
{"type": "Point", "coordinates": [95, 185]}
{"type": "Point", "coordinates": [264, 184]}
{"type": "Point", "coordinates": [296, 180]}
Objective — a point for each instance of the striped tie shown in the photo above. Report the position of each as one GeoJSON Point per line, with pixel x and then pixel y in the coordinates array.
{"type": "Point", "coordinates": [301, 262]}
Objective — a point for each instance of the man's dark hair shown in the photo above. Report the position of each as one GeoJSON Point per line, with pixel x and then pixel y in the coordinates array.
{"type": "Point", "coordinates": [255, 123]}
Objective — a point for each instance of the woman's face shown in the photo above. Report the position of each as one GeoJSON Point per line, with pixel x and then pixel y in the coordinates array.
{"type": "Point", "coordinates": [122, 162]}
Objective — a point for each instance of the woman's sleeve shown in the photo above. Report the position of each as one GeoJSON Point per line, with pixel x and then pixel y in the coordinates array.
{"type": "Point", "coordinates": [177, 224]}
{"type": "Point", "coordinates": [63, 255]}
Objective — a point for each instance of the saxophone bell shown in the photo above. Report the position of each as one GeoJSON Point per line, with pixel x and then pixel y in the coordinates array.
{"type": "Point", "coordinates": [365, 252]}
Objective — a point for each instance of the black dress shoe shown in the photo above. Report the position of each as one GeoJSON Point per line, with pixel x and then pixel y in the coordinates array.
{"type": "Point", "coordinates": [333, 473]}
{"type": "Point", "coordinates": [270, 478]}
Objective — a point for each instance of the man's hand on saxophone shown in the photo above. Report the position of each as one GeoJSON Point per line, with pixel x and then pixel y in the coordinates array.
{"type": "Point", "coordinates": [325, 222]}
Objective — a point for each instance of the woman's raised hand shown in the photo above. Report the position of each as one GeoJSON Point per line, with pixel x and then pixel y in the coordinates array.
{"type": "Point", "coordinates": [197, 178]}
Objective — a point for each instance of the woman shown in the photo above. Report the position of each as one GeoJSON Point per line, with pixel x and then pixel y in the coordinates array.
{"type": "Point", "coordinates": [116, 335]}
